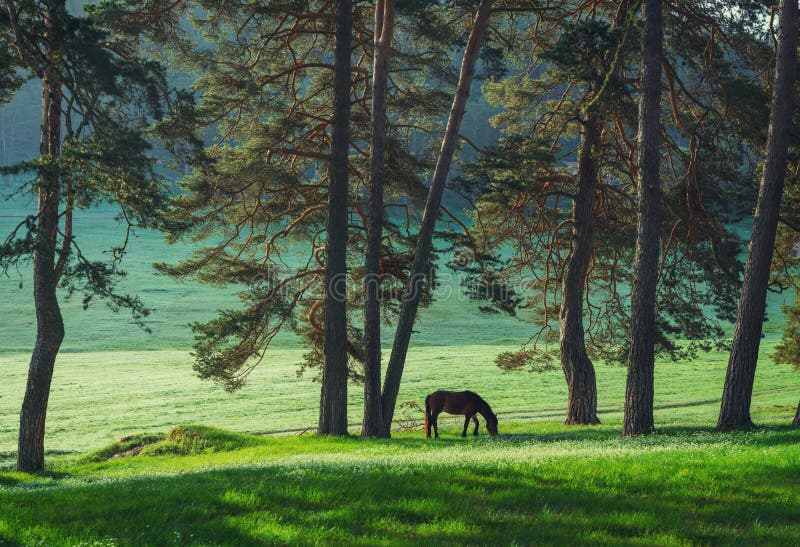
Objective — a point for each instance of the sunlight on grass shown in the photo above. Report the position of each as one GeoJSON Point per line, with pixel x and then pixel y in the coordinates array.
{"type": "Point", "coordinates": [539, 482]}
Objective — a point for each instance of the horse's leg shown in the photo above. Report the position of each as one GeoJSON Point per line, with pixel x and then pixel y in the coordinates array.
{"type": "Point", "coordinates": [475, 419]}
{"type": "Point", "coordinates": [428, 417]}
{"type": "Point", "coordinates": [466, 424]}
{"type": "Point", "coordinates": [435, 423]}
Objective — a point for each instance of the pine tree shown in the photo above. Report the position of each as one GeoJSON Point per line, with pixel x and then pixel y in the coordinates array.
{"type": "Point", "coordinates": [786, 270]}
{"type": "Point", "coordinates": [258, 197]}
{"type": "Point", "coordinates": [382, 43]}
{"type": "Point", "coordinates": [639, 392]}
{"type": "Point", "coordinates": [98, 100]}
{"type": "Point", "coordinates": [738, 389]}
{"type": "Point", "coordinates": [333, 400]}
{"type": "Point", "coordinates": [526, 187]}
{"type": "Point", "coordinates": [422, 253]}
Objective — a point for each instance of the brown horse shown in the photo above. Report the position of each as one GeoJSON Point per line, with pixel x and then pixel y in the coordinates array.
{"type": "Point", "coordinates": [458, 402]}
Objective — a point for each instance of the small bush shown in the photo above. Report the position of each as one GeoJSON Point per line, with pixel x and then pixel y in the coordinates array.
{"type": "Point", "coordinates": [198, 439]}
{"type": "Point", "coordinates": [183, 440]}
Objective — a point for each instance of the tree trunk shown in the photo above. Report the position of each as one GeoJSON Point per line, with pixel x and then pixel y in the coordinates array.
{"type": "Point", "coordinates": [735, 408]}
{"type": "Point", "coordinates": [639, 393]}
{"type": "Point", "coordinates": [578, 368]}
{"type": "Point", "coordinates": [373, 425]}
{"type": "Point", "coordinates": [796, 421]}
{"type": "Point", "coordinates": [333, 403]}
{"type": "Point", "coordinates": [49, 324]}
{"type": "Point", "coordinates": [408, 314]}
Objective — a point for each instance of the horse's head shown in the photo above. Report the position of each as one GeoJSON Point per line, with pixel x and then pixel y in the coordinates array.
{"type": "Point", "coordinates": [491, 424]}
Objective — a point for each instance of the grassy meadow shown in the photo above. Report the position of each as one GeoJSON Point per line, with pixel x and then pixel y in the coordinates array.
{"type": "Point", "coordinates": [100, 397]}
{"type": "Point", "coordinates": [537, 483]}
{"type": "Point", "coordinates": [223, 482]}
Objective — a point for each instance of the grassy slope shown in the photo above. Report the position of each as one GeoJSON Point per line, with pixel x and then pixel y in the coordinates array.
{"type": "Point", "coordinates": [539, 482]}
{"type": "Point", "coordinates": [104, 366]}
{"type": "Point", "coordinates": [453, 321]}
{"type": "Point", "coordinates": [542, 483]}
{"type": "Point", "coordinates": [100, 397]}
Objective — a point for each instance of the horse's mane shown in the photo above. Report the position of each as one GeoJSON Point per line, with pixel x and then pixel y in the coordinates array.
{"type": "Point", "coordinates": [480, 399]}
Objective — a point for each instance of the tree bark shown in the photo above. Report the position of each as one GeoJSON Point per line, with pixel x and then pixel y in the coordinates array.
{"type": "Point", "coordinates": [408, 314]}
{"type": "Point", "coordinates": [735, 408]}
{"type": "Point", "coordinates": [578, 368]}
{"type": "Point", "coordinates": [796, 421]}
{"type": "Point", "coordinates": [639, 392]}
{"type": "Point", "coordinates": [49, 323]}
{"type": "Point", "coordinates": [373, 425]}
{"type": "Point", "coordinates": [333, 401]}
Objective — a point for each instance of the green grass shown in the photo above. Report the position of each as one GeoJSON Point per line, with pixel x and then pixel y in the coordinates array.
{"type": "Point", "coordinates": [123, 468]}
{"type": "Point", "coordinates": [175, 304]}
{"type": "Point", "coordinates": [98, 398]}
{"type": "Point", "coordinates": [536, 483]}
{"type": "Point", "coordinates": [182, 440]}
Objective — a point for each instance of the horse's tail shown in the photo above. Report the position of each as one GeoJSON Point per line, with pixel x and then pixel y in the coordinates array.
{"type": "Point", "coordinates": [428, 416]}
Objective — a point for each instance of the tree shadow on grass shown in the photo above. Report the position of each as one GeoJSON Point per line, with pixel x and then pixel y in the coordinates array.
{"type": "Point", "coordinates": [8, 541]}
{"type": "Point", "coordinates": [8, 465]}
{"type": "Point", "coordinates": [315, 502]}
{"type": "Point", "coordinates": [8, 460]}
{"type": "Point", "coordinates": [11, 478]}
